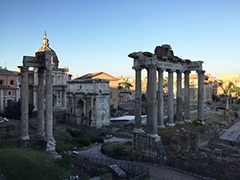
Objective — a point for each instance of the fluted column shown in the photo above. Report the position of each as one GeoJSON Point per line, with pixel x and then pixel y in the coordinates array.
{"type": "Point", "coordinates": [24, 103]}
{"type": "Point", "coordinates": [186, 97]}
{"type": "Point", "coordinates": [200, 95]}
{"type": "Point", "coordinates": [170, 99]}
{"type": "Point", "coordinates": [49, 104]}
{"type": "Point", "coordinates": [152, 102]}
{"type": "Point", "coordinates": [138, 102]}
{"type": "Point", "coordinates": [179, 97]}
{"type": "Point", "coordinates": [40, 102]}
{"type": "Point", "coordinates": [160, 100]}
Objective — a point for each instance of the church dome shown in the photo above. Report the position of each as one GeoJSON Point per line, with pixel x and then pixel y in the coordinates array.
{"type": "Point", "coordinates": [45, 47]}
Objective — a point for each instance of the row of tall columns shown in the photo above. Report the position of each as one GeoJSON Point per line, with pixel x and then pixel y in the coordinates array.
{"type": "Point", "coordinates": [45, 121]}
{"type": "Point", "coordinates": [155, 104]}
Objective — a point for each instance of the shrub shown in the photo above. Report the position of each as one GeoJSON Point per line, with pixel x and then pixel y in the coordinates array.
{"type": "Point", "coordinates": [84, 141]}
{"type": "Point", "coordinates": [94, 139]}
{"type": "Point", "coordinates": [76, 133]}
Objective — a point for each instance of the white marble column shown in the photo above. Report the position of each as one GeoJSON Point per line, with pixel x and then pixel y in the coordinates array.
{"type": "Point", "coordinates": [51, 143]}
{"type": "Point", "coordinates": [40, 102]}
{"type": "Point", "coordinates": [179, 97]}
{"type": "Point", "coordinates": [152, 102]}
{"type": "Point", "coordinates": [200, 95]}
{"type": "Point", "coordinates": [160, 99]}
{"type": "Point", "coordinates": [170, 99]}
{"type": "Point", "coordinates": [24, 104]}
{"type": "Point", "coordinates": [138, 102]}
{"type": "Point", "coordinates": [186, 97]}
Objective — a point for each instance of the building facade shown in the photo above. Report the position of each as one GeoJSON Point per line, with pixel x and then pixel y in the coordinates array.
{"type": "Point", "coordinates": [9, 88]}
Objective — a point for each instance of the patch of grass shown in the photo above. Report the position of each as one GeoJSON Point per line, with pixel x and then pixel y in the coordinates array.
{"type": "Point", "coordinates": [64, 141]}
{"type": "Point", "coordinates": [30, 164]}
{"type": "Point", "coordinates": [118, 151]}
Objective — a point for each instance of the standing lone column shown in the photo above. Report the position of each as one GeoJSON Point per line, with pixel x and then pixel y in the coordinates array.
{"type": "Point", "coordinates": [200, 95]}
{"type": "Point", "coordinates": [179, 97]}
{"type": "Point", "coordinates": [138, 102]}
{"type": "Point", "coordinates": [51, 143]}
{"type": "Point", "coordinates": [186, 97]}
{"type": "Point", "coordinates": [40, 106]}
{"type": "Point", "coordinates": [152, 110]}
{"type": "Point", "coordinates": [160, 100]}
{"type": "Point", "coordinates": [24, 104]}
{"type": "Point", "coordinates": [170, 99]}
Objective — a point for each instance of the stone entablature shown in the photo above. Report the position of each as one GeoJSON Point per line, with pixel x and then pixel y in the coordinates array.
{"type": "Point", "coordinates": [88, 102]}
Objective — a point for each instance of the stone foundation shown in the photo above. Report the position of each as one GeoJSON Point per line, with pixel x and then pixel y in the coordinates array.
{"type": "Point", "coordinates": [148, 148]}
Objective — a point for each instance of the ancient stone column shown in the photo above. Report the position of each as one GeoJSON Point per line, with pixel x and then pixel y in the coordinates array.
{"type": "Point", "coordinates": [179, 97]}
{"type": "Point", "coordinates": [138, 102]}
{"type": "Point", "coordinates": [186, 97]}
{"type": "Point", "coordinates": [160, 99]}
{"type": "Point", "coordinates": [200, 95]}
{"type": "Point", "coordinates": [49, 110]}
{"type": "Point", "coordinates": [40, 102]}
{"type": "Point", "coordinates": [170, 99]}
{"type": "Point", "coordinates": [152, 102]}
{"type": "Point", "coordinates": [24, 103]}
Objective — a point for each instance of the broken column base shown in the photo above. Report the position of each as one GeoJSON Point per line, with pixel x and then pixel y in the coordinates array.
{"type": "Point", "coordinates": [145, 143]}
{"type": "Point", "coordinates": [23, 143]}
{"type": "Point", "coordinates": [148, 148]}
{"type": "Point", "coordinates": [51, 145]}
{"type": "Point", "coordinates": [188, 120]}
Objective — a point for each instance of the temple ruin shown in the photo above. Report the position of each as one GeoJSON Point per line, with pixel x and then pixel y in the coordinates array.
{"type": "Point", "coordinates": [162, 60]}
{"type": "Point", "coordinates": [45, 61]}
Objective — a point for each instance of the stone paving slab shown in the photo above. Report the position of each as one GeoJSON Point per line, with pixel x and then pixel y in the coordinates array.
{"type": "Point", "coordinates": [232, 133]}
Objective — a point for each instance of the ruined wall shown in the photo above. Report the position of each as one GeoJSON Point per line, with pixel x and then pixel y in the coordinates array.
{"type": "Point", "coordinates": [193, 152]}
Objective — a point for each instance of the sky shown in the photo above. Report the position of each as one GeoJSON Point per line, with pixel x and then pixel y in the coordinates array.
{"type": "Point", "coordinates": [97, 35]}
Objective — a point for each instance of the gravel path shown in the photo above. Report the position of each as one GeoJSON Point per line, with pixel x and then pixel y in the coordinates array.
{"type": "Point", "coordinates": [156, 172]}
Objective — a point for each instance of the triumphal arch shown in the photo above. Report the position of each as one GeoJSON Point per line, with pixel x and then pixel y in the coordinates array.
{"type": "Point", "coordinates": [45, 62]}
{"type": "Point", "coordinates": [162, 60]}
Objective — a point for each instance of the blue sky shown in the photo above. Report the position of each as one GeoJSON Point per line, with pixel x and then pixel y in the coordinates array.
{"type": "Point", "coordinates": [97, 35]}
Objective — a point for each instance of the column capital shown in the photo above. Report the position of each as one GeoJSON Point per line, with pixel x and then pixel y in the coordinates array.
{"type": "Point", "coordinates": [169, 70]}
{"type": "Point", "coordinates": [161, 69]}
{"type": "Point", "coordinates": [200, 71]}
{"type": "Point", "coordinates": [179, 71]}
{"type": "Point", "coordinates": [136, 68]}
{"type": "Point", "coordinates": [187, 72]}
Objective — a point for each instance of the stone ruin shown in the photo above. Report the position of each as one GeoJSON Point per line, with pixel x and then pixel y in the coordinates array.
{"type": "Point", "coordinates": [45, 62]}
{"type": "Point", "coordinates": [163, 60]}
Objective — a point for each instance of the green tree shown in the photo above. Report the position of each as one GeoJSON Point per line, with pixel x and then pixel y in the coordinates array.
{"type": "Point", "coordinates": [124, 86]}
{"type": "Point", "coordinates": [227, 91]}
